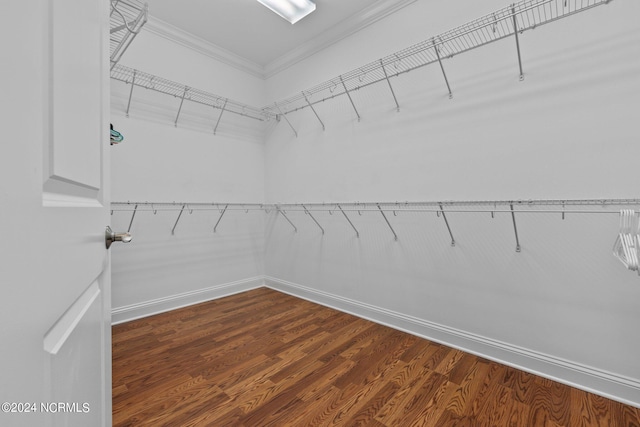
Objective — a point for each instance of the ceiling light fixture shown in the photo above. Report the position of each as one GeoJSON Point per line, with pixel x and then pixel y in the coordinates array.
{"type": "Point", "coordinates": [291, 10]}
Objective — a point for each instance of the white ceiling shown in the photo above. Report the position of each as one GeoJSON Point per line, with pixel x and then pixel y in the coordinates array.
{"type": "Point", "coordinates": [251, 31]}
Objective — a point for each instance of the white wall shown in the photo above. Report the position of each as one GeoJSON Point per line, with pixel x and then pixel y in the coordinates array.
{"type": "Point", "coordinates": [567, 132]}
{"type": "Point", "coordinates": [158, 162]}
{"type": "Point", "coordinates": [157, 55]}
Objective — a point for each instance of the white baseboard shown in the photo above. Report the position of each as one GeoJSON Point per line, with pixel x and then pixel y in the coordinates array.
{"type": "Point", "coordinates": [161, 305]}
{"type": "Point", "coordinates": [609, 385]}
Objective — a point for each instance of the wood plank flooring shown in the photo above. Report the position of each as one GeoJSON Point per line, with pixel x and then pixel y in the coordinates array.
{"type": "Point", "coordinates": [263, 358]}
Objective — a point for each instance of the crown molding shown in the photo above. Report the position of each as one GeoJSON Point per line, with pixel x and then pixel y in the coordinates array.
{"type": "Point", "coordinates": [164, 29]}
{"type": "Point", "coordinates": [340, 31]}
{"type": "Point", "coordinates": [379, 10]}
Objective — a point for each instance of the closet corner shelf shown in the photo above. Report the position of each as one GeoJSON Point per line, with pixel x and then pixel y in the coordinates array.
{"type": "Point", "coordinates": [127, 17]}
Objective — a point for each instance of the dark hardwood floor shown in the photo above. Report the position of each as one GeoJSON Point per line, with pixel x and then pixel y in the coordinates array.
{"type": "Point", "coordinates": [263, 358]}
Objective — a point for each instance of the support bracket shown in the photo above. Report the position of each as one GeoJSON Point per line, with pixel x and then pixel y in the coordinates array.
{"type": "Point", "coordinates": [133, 83]}
{"type": "Point", "coordinates": [515, 32]}
{"type": "Point", "coordinates": [285, 117]}
{"type": "Point", "coordinates": [446, 80]}
{"type": "Point", "coordinates": [395, 236]}
{"type": "Point", "coordinates": [313, 218]}
{"type": "Point", "coordinates": [314, 110]}
{"type": "Point", "coordinates": [352, 226]}
{"type": "Point", "coordinates": [288, 220]}
{"type": "Point", "coordinates": [386, 76]}
{"type": "Point", "coordinates": [215, 227]}
{"type": "Point", "coordinates": [350, 99]}
{"type": "Point", "coordinates": [135, 209]}
{"type": "Point", "coordinates": [515, 228]}
{"type": "Point", "coordinates": [444, 216]}
{"type": "Point", "coordinates": [180, 108]}
{"type": "Point", "coordinates": [220, 116]}
{"type": "Point", "coordinates": [173, 230]}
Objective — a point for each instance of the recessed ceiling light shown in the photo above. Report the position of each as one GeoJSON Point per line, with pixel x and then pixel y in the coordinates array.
{"type": "Point", "coordinates": [291, 10]}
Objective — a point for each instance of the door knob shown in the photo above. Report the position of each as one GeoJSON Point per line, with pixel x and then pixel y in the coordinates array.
{"type": "Point", "coordinates": [110, 236]}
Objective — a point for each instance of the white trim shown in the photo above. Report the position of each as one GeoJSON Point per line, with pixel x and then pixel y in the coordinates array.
{"type": "Point", "coordinates": [173, 302]}
{"type": "Point", "coordinates": [593, 380]}
{"type": "Point", "coordinates": [338, 32]}
{"type": "Point", "coordinates": [183, 38]}
{"type": "Point", "coordinates": [379, 10]}
{"type": "Point", "coordinates": [55, 338]}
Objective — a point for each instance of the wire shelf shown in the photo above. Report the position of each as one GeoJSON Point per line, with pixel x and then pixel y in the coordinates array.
{"type": "Point", "coordinates": [533, 205]}
{"type": "Point", "coordinates": [511, 207]}
{"type": "Point", "coordinates": [126, 20]}
{"type": "Point", "coordinates": [552, 205]}
{"type": "Point", "coordinates": [509, 21]}
{"type": "Point", "coordinates": [190, 206]}
{"type": "Point", "coordinates": [178, 90]}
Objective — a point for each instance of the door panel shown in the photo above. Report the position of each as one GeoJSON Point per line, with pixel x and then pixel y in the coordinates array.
{"type": "Point", "coordinates": [76, 53]}
{"type": "Point", "coordinates": [76, 360]}
{"type": "Point", "coordinates": [77, 49]}
{"type": "Point", "coordinates": [54, 197]}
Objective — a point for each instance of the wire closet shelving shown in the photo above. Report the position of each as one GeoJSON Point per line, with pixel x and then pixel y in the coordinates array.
{"type": "Point", "coordinates": [127, 17]}
{"type": "Point", "coordinates": [510, 21]}
{"type": "Point", "coordinates": [512, 207]}
{"type": "Point", "coordinates": [183, 92]}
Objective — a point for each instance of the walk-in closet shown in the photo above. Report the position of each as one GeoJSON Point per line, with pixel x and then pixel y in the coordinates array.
{"type": "Point", "coordinates": [363, 212]}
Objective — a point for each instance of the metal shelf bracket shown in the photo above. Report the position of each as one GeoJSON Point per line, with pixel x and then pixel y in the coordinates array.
{"type": "Point", "coordinates": [515, 228]}
{"type": "Point", "coordinates": [314, 111]}
{"type": "Point", "coordinates": [515, 32]}
{"type": "Point", "coordinates": [386, 76]}
{"type": "Point", "coordinates": [352, 226]}
{"type": "Point", "coordinates": [350, 99]}
{"type": "Point", "coordinates": [215, 227]}
{"type": "Point", "coordinates": [133, 83]}
{"type": "Point", "coordinates": [446, 80]}
{"type": "Point", "coordinates": [395, 236]}
{"type": "Point", "coordinates": [285, 117]}
{"type": "Point", "coordinates": [173, 230]}
{"type": "Point", "coordinates": [313, 218]}
{"type": "Point", "coordinates": [135, 209]}
{"type": "Point", "coordinates": [220, 116]}
{"type": "Point", "coordinates": [186, 89]}
{"type": "Point", "coordinates": [444, 216]}
{"type": "Point", "coordinates": [288, 220]}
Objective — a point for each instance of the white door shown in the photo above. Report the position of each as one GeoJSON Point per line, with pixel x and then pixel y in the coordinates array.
{"type": "Point", "coordinates": [55, 348]}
